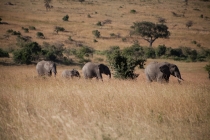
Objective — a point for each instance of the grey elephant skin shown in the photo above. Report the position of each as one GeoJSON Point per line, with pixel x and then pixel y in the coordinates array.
{"type": "Point", "coordinates": [46, 68]}
{"type": "Point", "coordinates": [91, 70]}
{"type": "Point", "coordinates": [161, 71]}
{"type": "Point", "coordinates": [70, 73]}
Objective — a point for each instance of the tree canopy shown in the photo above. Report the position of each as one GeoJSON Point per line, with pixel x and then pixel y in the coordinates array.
{"type": "Point", "coordinates": [150, 31]}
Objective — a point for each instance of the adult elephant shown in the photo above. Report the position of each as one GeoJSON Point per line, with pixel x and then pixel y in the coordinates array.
{"type": "Point", "coordinates": [161, 71]}
{"type": "Point", "coordinates": [70, 73]}
{"type": "Point", "coordinates": [46, 68]}
{"type": "Point", "coordinates": [91, 70]}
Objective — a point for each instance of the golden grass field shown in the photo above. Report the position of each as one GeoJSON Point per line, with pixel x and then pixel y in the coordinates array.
{"type": "Point", "coordinates": [34, 107]}
{"type": "Point", "coordinates": [37, 108]}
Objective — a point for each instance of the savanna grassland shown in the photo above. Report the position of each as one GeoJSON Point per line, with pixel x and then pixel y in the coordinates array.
{"type": "Point", "coordinates": [33, 107]}
{"type": "Point", "coordinates": [50, 108]}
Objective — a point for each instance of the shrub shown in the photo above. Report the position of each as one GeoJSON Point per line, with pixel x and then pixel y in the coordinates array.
{"type": "Point", "coordinates": [176, 52]}
{"type": "Point", "coordinates": [96, 33]}
{"type": "Point", "coordinates": [112, 35]}
{"type": "Point", "coordinates": [193, 55]}
{"type": "Point", "coordinates": [149, 52]}
{"type": "Point", "coordinates": [122, 63]}
{"type": "Point", "coordinates": [70, 39]}
{"type": "Point", "coordinates": [67, 61]}
{"type": "Point", "coordinates": [133, 11]}
{"type": "Point", "coordinates": [84, 51]}
{"type": "Point", "coordinates": [59, 28]}
{"type": "Point", "coordinates": [124, 39]}
{"type": "Point", "coordinates": [10, 31]}
{"type": "Point", "coordinates": [16, 33]}
{"type": "Point", "coordinates": [160, 50]}
{"type": "Point", "coordinates": [27, 53]}
{"type": "Point", "coordinates": [88, 16]}
{"type": "Point", "coordinates": [3, 53]}
{"type": "Point", "coordinates": [161, 20]}
{"type": "Point", "coordinates": [25, 29]}
{"type": "Point", "coordinates": [99, 23]}
{"type": "Point", "coordinates": [81, 1]}
{"type": "Point", "coordinates": [66, 18]}
{"type": "Point", "coordinates": [32, 28]}
{"type": "Point", "coordinates": [207, 68]}
{"type": "Point", "coordinates": [22, 56]}
{"type": "Point", "coordinates": [53, 52]}
{"type": "Point", "coordinates": [40, 35]}
{"type": "Point", "coordinates": [189, 24]}
{"type": "Point", "coordinates": [194, 42]}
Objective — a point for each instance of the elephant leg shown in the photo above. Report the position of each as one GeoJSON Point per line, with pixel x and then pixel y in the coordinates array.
{"type": "Point", "coordinates": [160, 78]}
{"type": "Point", "coordinates": [148, 78]}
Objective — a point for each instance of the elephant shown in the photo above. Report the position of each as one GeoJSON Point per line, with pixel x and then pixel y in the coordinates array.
{"type": "Point", "coordinates": [70, 73]}
{"type": "Point", "coordinates": [161, 71]}
{"type": "Point", "coordinates": [46, 68]}
{"type": "Point", "coordinates": [91, 70]}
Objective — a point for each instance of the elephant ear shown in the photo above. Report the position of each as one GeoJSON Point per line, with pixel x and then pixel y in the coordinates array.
{"type": "Point", "coordinates": [47, 66]}
{"type": "Point", "coordinates": [100, 67]}
{"type": "Point", "coordinates": [164, 69]}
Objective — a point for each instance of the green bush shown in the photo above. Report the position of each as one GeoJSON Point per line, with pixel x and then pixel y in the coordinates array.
{"type": "Point", "coordinates": [66, 18]}
{"type": "Point", "coordinates": [32, 28]}
{"type": "Point", "coordinates": [96, 33]}
{"type": "Point", "coordinates": [40, 35]}
{"type": "Point", "coordinates": [133, 11]}
{"type": "Point", "coordinates": [22, 56]}
{"type": "Point", "coordinates": [16, 33]}
{"type": "Point", "coordinates": [26, 30]}
{"type": "Point", "coordinates": [84, 51]}
{"type": "Point", "coordinates": [10, 31]}
{"type": "Point", "coordinates": [160, 50]}
{"type": "Point", "coordinates": [112, 35]}
{"type": "Point", "coordinates": [99, 23]}
{"type": "Point", "coordinates": [28, 53]}
{"type": "Point", "coordinates": [123, 62]}
{"type": "Point", "coordinates": [53, 52]}
{"type": "Point", "coordinates": [3, 53]}
{"type": "Point", "coordinates": [207, 68]}
{"type": "Point", "coordinates": [149, 52]}
{"type": "Point", "coordinates": [124, 39]}
{"type": "Point", "coordinates": [67, 61]}
{"type": "Point", "coordinates": [176, 52]}
{"type": "Point", "coordinates": [193, 55]}
{"type": "Point", "coordinates": [59, 28]}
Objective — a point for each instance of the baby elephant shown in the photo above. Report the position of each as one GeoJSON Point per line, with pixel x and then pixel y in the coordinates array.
{"type": "Point", "coordinates": [70, 73]}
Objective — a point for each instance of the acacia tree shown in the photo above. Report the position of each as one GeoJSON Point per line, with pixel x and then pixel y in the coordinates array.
{"type": "Point", "coordinates": [150, 31]}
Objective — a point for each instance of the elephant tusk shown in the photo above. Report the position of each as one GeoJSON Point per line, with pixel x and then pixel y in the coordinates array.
{"type": "Point", "coordinates": [180, 79]}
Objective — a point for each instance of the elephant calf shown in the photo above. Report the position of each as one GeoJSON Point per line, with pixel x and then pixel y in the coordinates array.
{"type": "Point", "coordinates": [70, 73]}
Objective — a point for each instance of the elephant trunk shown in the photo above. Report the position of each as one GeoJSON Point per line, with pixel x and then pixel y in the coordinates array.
{"type": "Point", "coordinates": [178, 75]}
{"type": "Point", "coordinates": [54, 70]}
{"type": "Point", "coordinates": [109, 75]}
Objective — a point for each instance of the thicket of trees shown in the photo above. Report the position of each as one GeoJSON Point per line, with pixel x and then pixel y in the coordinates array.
{"type": "Point", "coordinates": [122, 61]}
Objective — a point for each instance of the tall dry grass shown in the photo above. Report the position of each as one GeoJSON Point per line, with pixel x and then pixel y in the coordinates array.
{"type": "Point", "coordinates": [32, 107]}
